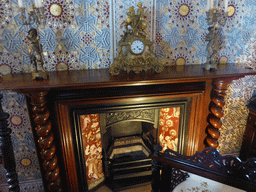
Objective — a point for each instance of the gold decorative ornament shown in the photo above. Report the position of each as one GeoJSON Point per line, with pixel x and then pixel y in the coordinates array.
{"type": "Point", "coordinates": [135, 50]}
{"type": "Point", "coordinates": [184, 10]}
{"type": "Point", "coordinates": [55, 9]}
{"type": "Point", "coordinates": [231, 11]}
{"type": "Point", "coordinates": [26, 162]}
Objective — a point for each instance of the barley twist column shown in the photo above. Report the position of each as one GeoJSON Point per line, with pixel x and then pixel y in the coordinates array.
{"type": "Point", "coordinates": [45, 140]}
{"type": "Point", "coordinates": [216, 109]}
{"type": "Point", "coordinates": [7, 151]}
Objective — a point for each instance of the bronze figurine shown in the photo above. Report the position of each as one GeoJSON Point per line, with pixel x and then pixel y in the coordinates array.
{"type": "Point", "coordinates": [35, 55]}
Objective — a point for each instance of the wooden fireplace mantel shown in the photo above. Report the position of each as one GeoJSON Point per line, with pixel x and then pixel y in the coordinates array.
{"type": "Point", "coordinates": [101, 78]}
{"type": "Point", "coordinates": [182, 80]}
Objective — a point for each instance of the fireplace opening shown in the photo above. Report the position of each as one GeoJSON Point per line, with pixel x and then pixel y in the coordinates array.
{"type": "Point", "coordinates": [129, 152]}
{"type": "Point", "coordinates": [114, 144]}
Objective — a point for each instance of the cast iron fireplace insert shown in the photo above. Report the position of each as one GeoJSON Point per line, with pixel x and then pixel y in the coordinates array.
{"type": "Point", "coordinates": [113, 140]}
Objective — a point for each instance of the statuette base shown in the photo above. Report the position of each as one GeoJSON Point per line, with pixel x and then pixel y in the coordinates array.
{"type": "Point", "coordinates": [40, 75]}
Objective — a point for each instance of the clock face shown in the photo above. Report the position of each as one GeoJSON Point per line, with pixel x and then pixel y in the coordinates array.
{"type": "Point", "coordinates": [137, 47]}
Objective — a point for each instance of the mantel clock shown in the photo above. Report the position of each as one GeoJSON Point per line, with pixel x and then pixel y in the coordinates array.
{"type": "Point", "coordinates": [135, 50]}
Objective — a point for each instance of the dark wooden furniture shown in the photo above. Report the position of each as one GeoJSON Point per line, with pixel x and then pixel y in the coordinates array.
{"type": "Point", "coordinates": [50, 100]}
{"type": "Point", "coordinates": [7, 154]}
{"type": "Point", "coordinates": [209, 163]}
{"type": "Point", "coordinates": [248, 148]}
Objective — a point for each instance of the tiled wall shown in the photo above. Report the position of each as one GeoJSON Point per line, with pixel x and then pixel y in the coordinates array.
{"type": "Point", "coordinates": [83, 34]}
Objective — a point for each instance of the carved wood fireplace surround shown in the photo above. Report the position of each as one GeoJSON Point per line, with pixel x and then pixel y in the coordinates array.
{"type": "Point", "coordinates": [50, 103]}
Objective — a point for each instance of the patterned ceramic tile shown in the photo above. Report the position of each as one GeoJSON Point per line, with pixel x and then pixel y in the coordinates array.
{"type": "Point", "coordinates": [60, 14]}
{"type": "Point", "coordinates": [6, 12]}
{"type": "Point", "coordinates": [90, 128]}
{"type": "Point", "coordinates": [235, 114]}
{"type": "Point", "coordinates": [169, 121]}
{"type": "Point", "coordinates": [183, 24]}
{"type": "Point", "coordinates": [178, 25]}
{"type": "Point", "coordinates": [62, 60]}
{"type": "Point", "coordinates": [248, 56]}
{"type": "Point", "coordinates": [9, 64]}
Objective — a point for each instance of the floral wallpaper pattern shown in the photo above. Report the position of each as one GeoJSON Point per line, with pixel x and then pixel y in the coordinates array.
{"type": "Point", "coordinates": [83, 34]}
{"type": "Point", "coordinates": [90, 128]}
{"type": "Point", "coordinates": [169, 121]}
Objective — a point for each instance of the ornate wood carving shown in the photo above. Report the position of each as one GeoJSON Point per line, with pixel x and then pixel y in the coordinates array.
{"type": "Point", "coordinates": [211, 159]}
{"type": "Point", "coordinates": [45, 140]}
{"type": "Point", "coordinates": [146, 114]}
{"type": "Point", "coordinates": [7, 151]}
{"type": "Point", "coordinates": [216, 105]}
{"type": "Point", "coordinates": [209, 163]}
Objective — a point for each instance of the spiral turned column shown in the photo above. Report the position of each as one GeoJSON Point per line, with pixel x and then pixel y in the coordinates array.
{"type": "Point", "coordinates": [45, 140]}
{"type": "Point", "coordinates": [216, 111]}
{"type": "Point", "coordinates": [7, 151]}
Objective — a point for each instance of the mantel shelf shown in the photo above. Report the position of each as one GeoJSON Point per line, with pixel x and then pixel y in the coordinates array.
{"type": "Point", "coordinates": [95, 78]}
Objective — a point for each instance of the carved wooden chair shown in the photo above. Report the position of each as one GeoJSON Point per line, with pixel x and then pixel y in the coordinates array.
{"type": "Point", "coordinates": [204, 171]}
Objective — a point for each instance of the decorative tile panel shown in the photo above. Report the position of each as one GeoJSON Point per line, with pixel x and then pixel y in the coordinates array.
{"type": "Point", "coordinates": [169, 122]}
{"type": "Point", "coordinates": [6, 13]}
{"type": "Point", "coordinates": [177, 23]}
{"type": "Point", "coordinates": [90, 128]}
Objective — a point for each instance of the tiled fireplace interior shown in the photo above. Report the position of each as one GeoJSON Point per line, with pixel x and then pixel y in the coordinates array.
{"type": "Point", "coordinates": [117, 145]}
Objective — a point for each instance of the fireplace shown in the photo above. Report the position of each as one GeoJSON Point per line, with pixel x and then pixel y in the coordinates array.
{"type": "Point", "coordinates": [56, 104]}
{"type": "Point", "coordinates": [113, 139]}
